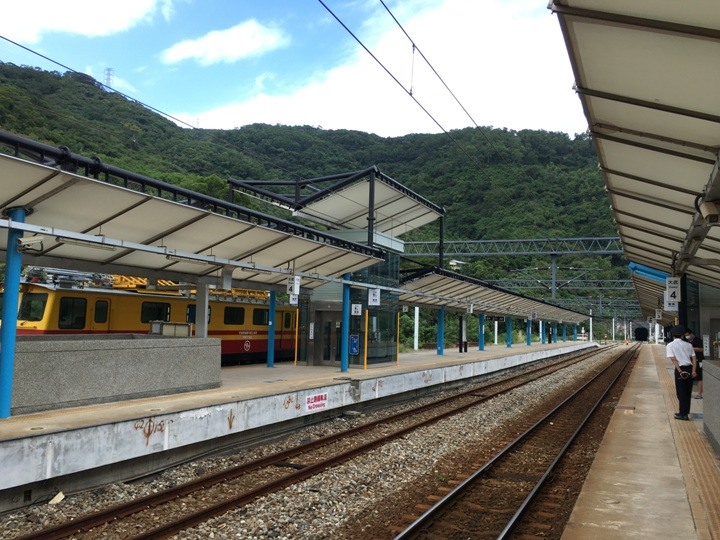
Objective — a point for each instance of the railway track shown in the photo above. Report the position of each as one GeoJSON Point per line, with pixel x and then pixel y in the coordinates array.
{"type": "Point", "coordinates": [492, 501]}
{"type": "Point", "coordinates": [194, 502]}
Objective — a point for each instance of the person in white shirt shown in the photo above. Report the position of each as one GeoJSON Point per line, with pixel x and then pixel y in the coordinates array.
{"type": "Point", "coordinates": [682, 355]}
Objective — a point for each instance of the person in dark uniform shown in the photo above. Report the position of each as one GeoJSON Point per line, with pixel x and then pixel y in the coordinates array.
{"type": "Point", "coordinates": [697, 344]}
{"type": "Point", "coordinates": [682, 355]}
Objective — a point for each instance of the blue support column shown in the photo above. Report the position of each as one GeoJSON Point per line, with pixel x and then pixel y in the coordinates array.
{"type": "Point", "coordinates": [508, 331]}
{"type": "Point", "coordinates": [564, 326]}
{"type": "Point", "coordinates": [575, 332]}
{"type": "Point", "coordinates": [555, 331]}
{"type": "Point", "coordinates": [481, 332]}
{"type": "Point", "coordinates": [11, 296]}
{"type": "Point", "coordinates": [441, 332]}
{"type": "Point", "coordinates": [542, 332]}
{"type": "Point", "coordinates": [271, 331]}
{"type": "Point", "coordinates": [345, 327]}
{"type": "Point", "coordinates": [528, 332]}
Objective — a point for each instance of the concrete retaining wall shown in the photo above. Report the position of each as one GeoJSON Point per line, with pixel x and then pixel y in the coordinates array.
{"type": "Point", "coordinates": [55, 372]}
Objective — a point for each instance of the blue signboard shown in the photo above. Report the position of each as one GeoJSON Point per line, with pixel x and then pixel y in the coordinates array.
{"type": "Point", "coordinates": [354, 344]}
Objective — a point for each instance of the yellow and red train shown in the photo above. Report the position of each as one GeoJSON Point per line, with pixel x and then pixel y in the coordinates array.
{"type": "Point", "coordinates": [75, 303]}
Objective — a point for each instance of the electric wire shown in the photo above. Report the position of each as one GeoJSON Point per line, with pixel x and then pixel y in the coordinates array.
{"type": "Point", "coordinates": [347, 29]}
{"type": "Point", "coordinates": [408, 92]}
{"type": "Point", "coordinates": [416, 48]}
{"type": "Point", "coordinates": [98, 82]}
{"type": "Point", "coordinates": [261, 158]}
{"type": "Point", "coordinates": [91, 128]}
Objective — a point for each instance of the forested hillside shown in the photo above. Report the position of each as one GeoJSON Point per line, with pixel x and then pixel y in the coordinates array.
{"type": "Point", "coordinates": [494, 183]}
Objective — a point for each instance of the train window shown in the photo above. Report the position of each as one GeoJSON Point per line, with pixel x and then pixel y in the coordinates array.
{"type": "Point", "coordinates": [32, 306]}
{"type": "Point", "coordinates": [101, 311]}
{"type": "Point", "coordinates": [72, 313]}
{"type": "Point", "coordinates": [287, 320]}
{"type": "Point", "coordinates": [154, 311]}
{"type": "Point", "coordinates": [190, 313]}
{"type": "Point", "coordinates": [234, 315]}
{"type": "Point", "coordinates": [261, 317]}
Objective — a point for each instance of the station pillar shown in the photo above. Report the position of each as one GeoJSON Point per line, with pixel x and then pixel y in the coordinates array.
{"type": "Point", "coordinates": [11, 296]}
{"type": "Point", "coordinates": [481, 332]}
{"type": "Point", "coordinates": [345, 327]}
{"type": "Point", "coordinates": [463, 334]}
{"type": "Point", "coordinates": [508, 331]}
{"type": "Point", "coordinates": [542, 332]}
{"type": "Point", "coordinates": [271, 330]}
{"type": "Point", "coordinates": [441, 332]}
{"type": "Point", "coordinates": [564, 327]}
{"type": "Point", "coordinates": [528, 331]}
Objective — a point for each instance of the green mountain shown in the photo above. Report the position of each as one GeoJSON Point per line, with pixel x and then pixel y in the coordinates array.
{"type": "Point", "coordinates": [494, 183]}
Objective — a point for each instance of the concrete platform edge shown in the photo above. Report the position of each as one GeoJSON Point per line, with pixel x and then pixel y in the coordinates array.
{"type": "Point", "coordinates": [48, 455]}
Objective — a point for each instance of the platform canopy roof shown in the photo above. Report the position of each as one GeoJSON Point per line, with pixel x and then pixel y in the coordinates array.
{"type": "Point", "coordinates": [650, 296]}
{"type": "Point", "coordinates": [436, 287]}
{"type": "Point", "coordinates": [648, 78]}
{"type": "Point", "coordinates": [346, 201]}
{"type": "Point", "coordinates": [118, 222]}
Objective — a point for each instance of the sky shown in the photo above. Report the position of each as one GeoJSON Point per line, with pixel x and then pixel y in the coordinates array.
{"type": "Point", "coordinates": [228, 63]}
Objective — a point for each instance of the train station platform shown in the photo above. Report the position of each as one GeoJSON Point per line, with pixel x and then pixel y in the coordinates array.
{"type": "Point", "coordinates": [653, 476]}
{"type": "Point", "coordinates": [76, 448]}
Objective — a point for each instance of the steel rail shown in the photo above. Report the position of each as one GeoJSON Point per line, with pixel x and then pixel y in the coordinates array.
{"type": "Point", "coordinates": [415, 529]}
{"type": "Point", "coordinates": [167, 529]}
{"type": "Point", "coordinates": [123, 510]}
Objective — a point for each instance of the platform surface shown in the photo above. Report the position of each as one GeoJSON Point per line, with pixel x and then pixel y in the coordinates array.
{"type": "Point", "coordinates": [246, 383]}
{"type": "Point", "coordinates": [654, 477]}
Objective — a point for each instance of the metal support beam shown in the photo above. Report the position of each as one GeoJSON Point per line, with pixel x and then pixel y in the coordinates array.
{"type": "Point", "coordinates": [490, 248]}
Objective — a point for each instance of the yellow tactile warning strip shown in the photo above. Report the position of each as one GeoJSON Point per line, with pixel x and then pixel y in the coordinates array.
{"type": "Point", "coordinates": [699, 462]}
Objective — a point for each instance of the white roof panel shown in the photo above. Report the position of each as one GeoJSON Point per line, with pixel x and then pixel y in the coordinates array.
{"type": "Point", "coordinates": [395, 213]}
{"type": "Point", "coordinates": [145, 233]}
{"type": "Point", "coordinates": [437, 288]}
{"type": "Point", "coordinates": [346, 201]}
{"type": "Point", "coordinates": [648, 78]}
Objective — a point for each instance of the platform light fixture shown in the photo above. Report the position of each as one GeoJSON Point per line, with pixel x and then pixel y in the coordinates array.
{"type": "Point", "coordinates": [252, 269]}
{"type": "Point", "coordinates": [177, 258]}
{"type": "Point", "coordinates": [84, 243]}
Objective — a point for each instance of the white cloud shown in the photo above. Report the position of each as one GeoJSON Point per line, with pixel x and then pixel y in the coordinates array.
{"type": "Point", "coordinates": [244, 40]}
{"type": "Point", "coordinates": [91, 18]}
{"type": "Point", "coordinates": [506, 63]}
{"type": "Point", "coordinates": [259, 85]}
{"type": "Point", "coordinates": [167, 9]}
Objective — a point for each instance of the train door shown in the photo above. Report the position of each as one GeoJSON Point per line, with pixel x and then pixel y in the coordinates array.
{"type": "Point", "coordinates": [100, 315]}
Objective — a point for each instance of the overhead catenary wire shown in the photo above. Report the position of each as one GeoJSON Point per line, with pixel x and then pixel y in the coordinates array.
{"type": "Point", "coordinates": [154, 109]}
{"type": "Point", "coordinates": [394, 78]}
{"type": "Point", "coordinates": [416, 48]}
